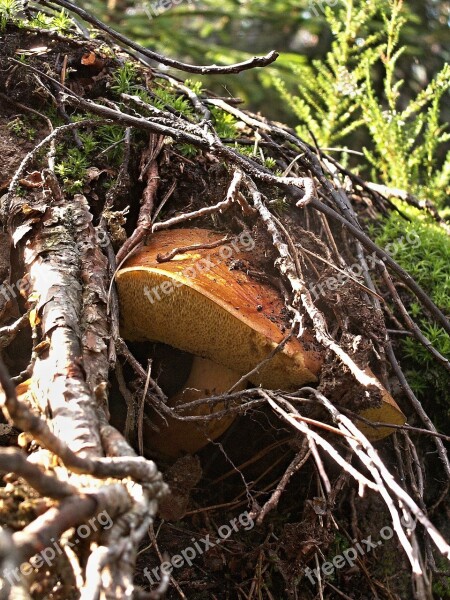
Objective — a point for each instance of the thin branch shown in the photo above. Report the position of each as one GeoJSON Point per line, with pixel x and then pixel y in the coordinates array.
{"type": "Point", "coordinates": [257, 61]}
{"type": "Point", "coordinates": [13, 460]}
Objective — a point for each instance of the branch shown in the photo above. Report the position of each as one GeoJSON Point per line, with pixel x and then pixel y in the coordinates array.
{"type": "Point", "coordinates": [257, 61]}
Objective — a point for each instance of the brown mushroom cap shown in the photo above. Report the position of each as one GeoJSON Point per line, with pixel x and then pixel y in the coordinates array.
{"type": "Point", "coordinates": [388, 411]}
{"type": "Point", "coordinates": [199, 303]}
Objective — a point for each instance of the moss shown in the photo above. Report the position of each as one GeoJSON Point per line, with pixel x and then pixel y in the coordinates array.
{"type": "Point", "coordinates": [61, 22]}
{"type": "Point", "coordinates": [124, 79]}
{"type": "Point", "coordinates": [441, 586]}
{"type": "Point", "coordinates": [422, 248]}
{"type": "Point", "coordinates": [164, 98]}
{"type": "Point", "coordinates": [21, 127]}
{"type": "Point", "coordinates": [9, 12]}
{"type": "Point", "coordinates": [187, 150]}
{"type": "Point", "coordinates": [224, 123]}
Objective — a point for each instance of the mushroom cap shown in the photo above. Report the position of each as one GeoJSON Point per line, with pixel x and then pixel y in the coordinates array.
{"type": "Point", "coordinates": [200, 302]}
{"type": "Point", "coordinates": [387, 411]}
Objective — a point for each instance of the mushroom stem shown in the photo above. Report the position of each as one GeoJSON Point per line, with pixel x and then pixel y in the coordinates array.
{"type": "Point", "coordinates": [175, 437]}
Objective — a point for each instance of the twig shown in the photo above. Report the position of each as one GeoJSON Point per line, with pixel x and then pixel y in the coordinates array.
{"type": "Point", "coordinates": [272, 353]}
{"type": "Point", "coordinates": [297, 463]}
{"type": "Point", "coordinates": [136, 467]}
{"type": "Point", "coordinates": [9, 332]}
{"type": "Point", "coordinates": [410, 323]}
{"type": "Point", "coordinates": [406, 427]}
{"type": "Point", "coordinates": [374, 463]}
{"type": "Point", "coordinates": [143, 226]}
{"type": "Point", "coordinates": [442, 452]}
{"type": "Point", "coordinates": [410, 199]}
{"type": "Point", "coordinates": [198, 105]}
{"type": "Point", "coordinates": [288, 184]}
{"type": "Point", "coordinates": [403, 275]}
{"type": "Point", "coordinates": [13, 460]}
{"type": "Point", "coordinates": [182, 249]}
{"type": "Point", "coordinates": [207, 210]}
{"type": "Point", "coordinates": [303, 427]}
{"type": "Point", "coordinates": [257, 61]}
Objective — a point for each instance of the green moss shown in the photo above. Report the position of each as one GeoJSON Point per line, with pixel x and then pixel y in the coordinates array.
{"type": "Point", "coordinates": [422, 248]}
{"type": "Point", "coordinates": [441, 585]}
{"type": "Point", "coordinates": [20, 126]}
{"type": "Point", "coordinates": [110, 143]}
{"type": "Point", "coordinates": [166, 98]}
{"type": "Point", "coordinates": [101, 146]}
{"type": "Point", "coordinates": [73, 162]}
{"type": "Point", "coordinates": [224, 123]}
{"type": "Point", "coordinates": [245, 150]}
{"type": "Point", "coordinates": [61, 22]}
{"type": "Point", "coordinates": [9, 11]}
{"type": "Point", "coordinates": [270, 162]}
{"type": "Point", "coordinates": [124, 79]}
{"type": "Point", "coordinates": [187, 150]}
{"type": "Point", "coordinates": [72, 169]}
{"type": "Point", "coordinates": [195, 86]}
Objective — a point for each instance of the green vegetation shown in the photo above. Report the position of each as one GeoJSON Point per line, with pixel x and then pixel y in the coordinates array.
{"type": "Point", "coordinates": [209, 31]}
{"type": "Point", "coordinates": [165, 98]}
{"type": "Point", "coordinates": [124, 79]}
{"type": "Point", "coordinates": [110, 142]}
{"type": "Point", "coordinates": [327, 98]}
{"type": "Point", "coordinates": [60, 22]}
{"type": "Point", "coordinates": [441, 586]}
{"type": "Point", "coordinates": [9, 10]}
{"type": "Point", "coordinates": [187, 150]}
{"type": "Point", "coordinates": [224, 123]}
{"type": "Point", "coordinates": [355, 94]}
{"type": "Point", "coordinates": [72, 162]}
{"type": "Point", "coordinates": [342, 93]}
{"type": "Point", "coordinates": [427, 259]}
{"type": "Point", "coordinates": [72, 169]}
{"type": "Point", "coordinates": [20, 127]}
{"type": "Point", "coordinates": [12, 11]}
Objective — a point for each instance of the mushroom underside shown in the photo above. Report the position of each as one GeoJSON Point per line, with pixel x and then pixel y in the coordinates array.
{"type": "Point", "coordinates": [173, 437]}
{"type": "Point", "coordinates": [191, 321]}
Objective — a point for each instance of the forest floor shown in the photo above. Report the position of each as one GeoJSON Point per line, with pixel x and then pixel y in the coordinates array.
{"type": "Point", "coordinates": [269, 509]}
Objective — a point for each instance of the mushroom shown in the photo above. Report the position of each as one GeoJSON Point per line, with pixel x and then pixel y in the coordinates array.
{"type": "Point", "coordinates": [172, 437]}
{"type": "Point", "coordinates": [387, 411]}
{"type": "Point", "coordinates": [198, 302]}
{"type": "Point", "coordinates": [202, 301]}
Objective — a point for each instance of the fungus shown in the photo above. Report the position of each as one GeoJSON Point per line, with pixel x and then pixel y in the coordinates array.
{"type": "Point", "coordinates": [198, 302]}
{"type": "Point", "coordinates": [201, 300]}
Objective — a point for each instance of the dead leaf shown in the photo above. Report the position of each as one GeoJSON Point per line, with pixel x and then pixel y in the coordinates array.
{"type": "Point", "coordinates": [32, 180]}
